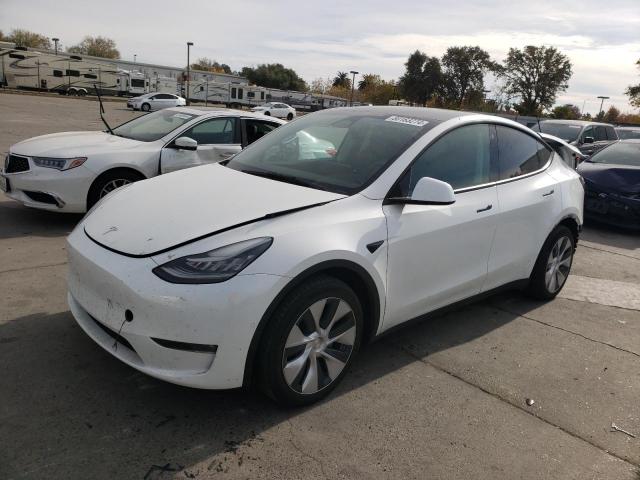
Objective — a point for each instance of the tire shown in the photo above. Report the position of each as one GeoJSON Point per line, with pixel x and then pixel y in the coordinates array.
{"type": "Point", "coordinates": [145, 107]}
{"type": "Point", "coordinates": [290, 116]}
{"type": "Point", "coordinates": [267, 113]}
{"type": "Point", "coordinates": [309, 352]}
{"type": "Point", "coordinates": [81, 93]}
{"type": "Point", "coordinates": [104, 183]}
{"type": "Point", "coordinates": [553, 264]}
{"type": "Point", "coordinates": [72, 92]}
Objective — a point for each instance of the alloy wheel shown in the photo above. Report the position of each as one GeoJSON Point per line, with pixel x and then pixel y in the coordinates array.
{"type": "Point", "coordinates": [113, 185]}
{"type": "Point", "coordinates": [319, 345]}
{"type": "Point", "coordinates": [559, 264]}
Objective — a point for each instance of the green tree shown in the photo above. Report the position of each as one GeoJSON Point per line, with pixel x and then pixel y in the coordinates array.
{"type": "Point", "coordinates": [634, 92]}
{"type": "Point", "coordinates": [535, 75]}
{"type": "Point", "coordinates": [25, 38]}
{"type": "Point", "coordinates": [275, 75]}
{"type": "Point", "coordinates": [369, 80]}
{"type": "Point", "coordinates": [612, 115]}
{"type": "Point", "coordinates": [210, 65]}
{"type": "Point", "coordinates": [342, 80]}
{"type": "Point", "coordinates": [96, 47]}
{"type": "Point", "coordinates": [464, 69]}
{"type": "Point", "coordinates": [422, 78]}
{"type": "Point", "coordinates": [566, 112]}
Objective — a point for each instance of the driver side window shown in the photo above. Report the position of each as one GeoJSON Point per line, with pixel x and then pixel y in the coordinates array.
{"type": "Point", "coordinates": [462, 158]}
{"type": "Point", "coordinates": [217, 131]}
{"type": "Point", "coordinates": [588, 132]}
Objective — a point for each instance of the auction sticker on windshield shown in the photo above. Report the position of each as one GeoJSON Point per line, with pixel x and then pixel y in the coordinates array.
{"type": "Point", "coordinates": [416, 122]}
{"type": "Point", "coordinates": [182, 116]}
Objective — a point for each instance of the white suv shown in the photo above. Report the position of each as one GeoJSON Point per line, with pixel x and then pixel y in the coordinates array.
{"type": "Point", "coordinates": [276, 266]}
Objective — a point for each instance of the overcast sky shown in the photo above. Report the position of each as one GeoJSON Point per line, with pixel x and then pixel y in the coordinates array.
{"type": "Point", "coordinates": [319, 38]}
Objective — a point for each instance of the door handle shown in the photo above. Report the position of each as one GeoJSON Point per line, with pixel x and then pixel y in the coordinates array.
{"type": "Point", "coordinates": [550, 192]}
{"type": "Point", "coordinates": [226, 155]}
{"type": "Point", "coordinates": [487, 208]}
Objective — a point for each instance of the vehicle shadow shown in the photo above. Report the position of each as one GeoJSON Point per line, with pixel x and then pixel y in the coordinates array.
{"type": "Point", "coordinates": [611, 236]}
{"type": "Point", "coordinates": [20, 221]}
{"type": "Point", "coordinates": [70, 407]}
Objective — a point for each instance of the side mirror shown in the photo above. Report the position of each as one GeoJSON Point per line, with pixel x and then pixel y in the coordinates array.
{"type": "Point", "coordinates": [587, 140]}
{"type": "Point", "coordinates": [428, 191]}
{"type": "Point", "coordinates": [186, 143]}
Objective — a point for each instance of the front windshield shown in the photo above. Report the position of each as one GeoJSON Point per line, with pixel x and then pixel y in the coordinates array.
{"type": "Point", "coordinates": [336, 150]}
{"type": "Point", "coordinates": [627, 134]}
{"type": "Point", "coordinates": [566, 132]}
{"type": "Point", "coordinates": [620, 153]}
{"type": "Point", "coordinates": [153, 126]}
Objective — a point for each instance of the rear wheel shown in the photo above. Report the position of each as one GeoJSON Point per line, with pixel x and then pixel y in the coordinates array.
{"type": "Point", "coordinates": [310, 341]}
{"type": "Point", "coordinates": [553, 264]}
{"type": "Point", "coordinates": [145, 107]}
{"type": "Point", "coordinates": [108, 182]}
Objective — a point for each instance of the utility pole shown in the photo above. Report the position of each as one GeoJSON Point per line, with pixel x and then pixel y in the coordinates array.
{"type": "Point", "coordinates": [55, 41]}
{"type": "Point", "coordinates": [134, 58]}
{"type": "Point", "coordinates": [186, 95]}
{"type": "Point", "coordinates": [353, 84]}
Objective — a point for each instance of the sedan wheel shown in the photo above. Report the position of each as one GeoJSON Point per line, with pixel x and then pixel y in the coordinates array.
{"type": "Point", "coordinates": [319, 345]}
{"type": "Point", "coordinates": [112, 185]}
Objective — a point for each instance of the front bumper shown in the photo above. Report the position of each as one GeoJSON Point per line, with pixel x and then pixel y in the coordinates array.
{"type": "Point", "coordinates": [612, 208]}
{"type": "Point", "coordinates": [51, 189]}
{"type": "Point", "coordinates": [104, 285]}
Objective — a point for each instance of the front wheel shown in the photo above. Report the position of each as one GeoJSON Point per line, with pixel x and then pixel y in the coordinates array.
{"type": "Point", "coordinates": [267, 113]}
{"type": "Point", "coordinates": [553, 264]}
{"type": "Point", "coordinates": [108, 182]}
{"type": "Point", "coordinates": [310, 342]}
{"type": "Point", "coordinates": [145, 107]}
{"type": "Point", "coordinates": [290, 116]}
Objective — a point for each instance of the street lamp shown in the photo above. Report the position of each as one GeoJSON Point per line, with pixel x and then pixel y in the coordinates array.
{"type": "Point", "coordinates": [56, 40]}
{"type": "Point", "coordinates": [353, 84]}
{"type": "Point", "coordinates": [189, 45]}
{"type": "Point", "coordinates": [602, 99]}
{"type": "Point", "coordinates": [134, 58]}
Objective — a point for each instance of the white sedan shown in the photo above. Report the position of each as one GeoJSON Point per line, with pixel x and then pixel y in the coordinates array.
{"type": "Point", "coordinates": [71, 171]}
{"type": "Point", "coordinates": [155, 101]}
{"type": "Point", "coordinates": [275, 267]}
{"type": "Point", "coordinates": [275, 109]}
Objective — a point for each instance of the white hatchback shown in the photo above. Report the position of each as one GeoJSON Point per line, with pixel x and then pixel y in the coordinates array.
{"type": "Point", "coordinates": [71, 171]}
{"type": "Point", "coordinates": [276, 109]}
{"type": "Point", "coordinates": [277, 265]}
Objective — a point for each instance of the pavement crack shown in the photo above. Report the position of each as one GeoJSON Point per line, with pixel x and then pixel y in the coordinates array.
{"type": "Point", "coordinates": [513, 404]}
{"type": "Point", "coordinates": [302, 452]}
{"type": "Point", "coordinates": [13, 270]}
{"type": "Point", "coordinates": [580, 244]}
{"type": "Point", "coordinates": [600, 342]}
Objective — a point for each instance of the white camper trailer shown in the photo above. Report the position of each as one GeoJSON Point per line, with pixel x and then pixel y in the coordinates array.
{"type": "Point", "coordinates": [163, 84]}
{"type": "Point", "coordinates": [230, 94]}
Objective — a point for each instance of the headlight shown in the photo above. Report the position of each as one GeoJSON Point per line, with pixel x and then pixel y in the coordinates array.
{"type": "Point", "coordinates": [59, 163]}
{"type": "Point", "coordinates": [214, 266]}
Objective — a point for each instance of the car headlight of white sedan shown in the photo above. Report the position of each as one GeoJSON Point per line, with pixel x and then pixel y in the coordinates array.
{"type": "Point", "coordinates": [58, 163]}
{"type": "Point", "coordinates": [216, 265]}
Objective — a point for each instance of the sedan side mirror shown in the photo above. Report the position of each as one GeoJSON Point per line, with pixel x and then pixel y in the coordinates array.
{"type": "Point", "coordinates": [587, 140]}
{"type": "Point", "coordinates": [186, 143]}
{"type": "Point", "coordinates": [428, 191]}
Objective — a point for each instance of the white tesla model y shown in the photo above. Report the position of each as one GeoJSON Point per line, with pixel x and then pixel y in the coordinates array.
{"type": "Point", "coordinates": [277, 265]}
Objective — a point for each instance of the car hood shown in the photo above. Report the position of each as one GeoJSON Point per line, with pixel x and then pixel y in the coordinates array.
{"type": "Point", "coordinates": [72, 144]}
{"type": "Point", "coordinates": [621, 178]}
{"type": "Point", "coordinates": [161, 213]}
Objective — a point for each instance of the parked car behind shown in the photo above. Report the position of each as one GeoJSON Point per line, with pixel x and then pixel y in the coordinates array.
{"type": "Point", "coordinates": [155, 101]}
{"type": "Point", "coordinates": [570, 154]}
{"type": "Point", "coordinates": [275, 109]}
{"type": "Point", "coordinates": [276, 266]}
{"type": "Point", "coordinates": [628, 133]}
{"type": "Point", "coordinates": [71, 171]}
{"type": "Point", "coordinates": [612, 184]}
{"type": "Point", "coordinates": [589, 137]}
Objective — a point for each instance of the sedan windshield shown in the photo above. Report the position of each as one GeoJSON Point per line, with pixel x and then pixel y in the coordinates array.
{"type": "Point", "coordinates": [153, 126]}
{"type": "Point", "coordinates": [620, 153]}
{"type": "Point", "coordinates": [566, 132]}
{"type": "Point", "coordinates": [340, 151]}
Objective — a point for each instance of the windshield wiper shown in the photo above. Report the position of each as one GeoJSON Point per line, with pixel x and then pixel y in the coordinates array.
{"type": "Point", "coordinates": [281, 177]}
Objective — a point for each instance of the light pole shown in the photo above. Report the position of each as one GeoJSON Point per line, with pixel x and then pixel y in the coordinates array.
{"type": "Point", "coordinates": [353, 84]}
{"type": "Point", "coordinates": [186, 95]}
{"type": "Point", "coordinates": [55, 41]}
{"type": "Point", "coordinates": [135, 55]}
{"type": "Point", "coordinates": [602, 99]}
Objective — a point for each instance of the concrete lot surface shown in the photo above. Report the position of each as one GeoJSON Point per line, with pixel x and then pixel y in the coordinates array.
{"type": "Point", "coordinates": [445, 399]}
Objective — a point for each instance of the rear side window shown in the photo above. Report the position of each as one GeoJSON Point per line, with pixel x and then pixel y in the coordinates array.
{"type": "Point", "coordinates": [462, 158]}
{"type": "Point", "coordinates": [519, 153]}
{"type": "Point", "coordinates": [611, 133]}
